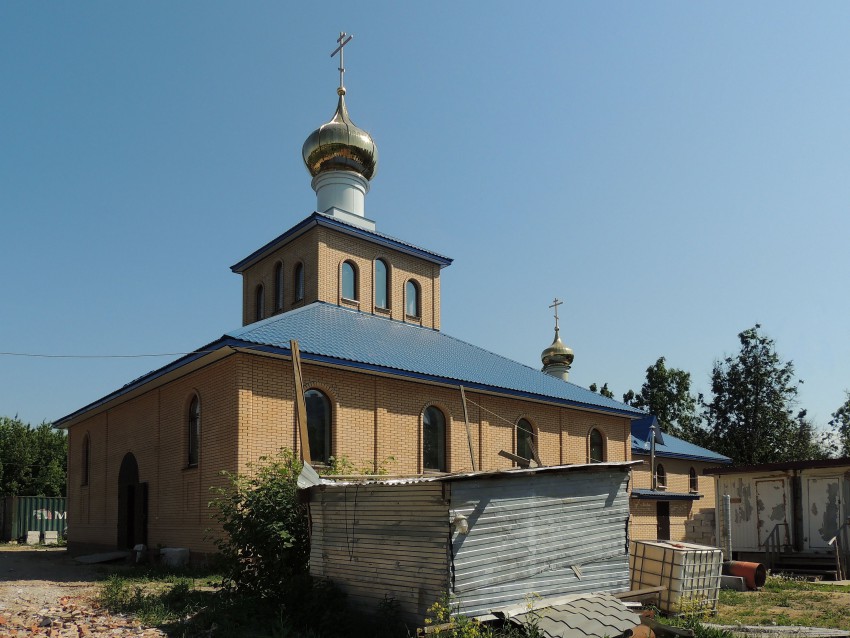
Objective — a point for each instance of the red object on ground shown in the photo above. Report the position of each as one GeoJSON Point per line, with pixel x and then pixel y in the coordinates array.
{"type": "Point", "coordinates": [754, 574]}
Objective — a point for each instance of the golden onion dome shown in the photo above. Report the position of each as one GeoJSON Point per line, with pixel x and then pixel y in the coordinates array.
{"type": "Point", "coordinates": [557, 353]}
{"type": "Point", "coordinates": [340, 146]}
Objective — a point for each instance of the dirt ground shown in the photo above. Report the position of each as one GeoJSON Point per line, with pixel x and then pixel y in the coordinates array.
{"type": "Point", "coordinates": [44, 592]}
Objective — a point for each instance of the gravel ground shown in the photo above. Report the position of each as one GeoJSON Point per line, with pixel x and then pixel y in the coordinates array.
{"type": "Point", "coordinates": [44, 592]}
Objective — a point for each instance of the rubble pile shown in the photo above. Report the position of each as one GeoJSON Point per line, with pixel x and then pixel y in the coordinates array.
{"type": "Point", "coordinates": [71, 618]}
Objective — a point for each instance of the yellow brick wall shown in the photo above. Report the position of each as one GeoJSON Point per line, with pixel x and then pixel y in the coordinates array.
{"type": "Point", "coordinates": [322, 251]}
{"type": "Point", "coordinates": [644, 519]}
{"type": "Point", "coordinates": [247, 411]}
{"type": "Point", "coordinates": [375, 418]}
{"type": "Point", "coordinates": [153, 427]}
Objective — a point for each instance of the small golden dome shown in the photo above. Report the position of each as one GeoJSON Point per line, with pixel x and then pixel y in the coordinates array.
{"type": "Point", "coordinates": [340, 146]}
{"type": "Point", "coordinates": [557, 353]}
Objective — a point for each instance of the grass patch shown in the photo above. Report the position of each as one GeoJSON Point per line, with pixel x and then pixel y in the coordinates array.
{"type": "Point", "coordinates": [787, 601]}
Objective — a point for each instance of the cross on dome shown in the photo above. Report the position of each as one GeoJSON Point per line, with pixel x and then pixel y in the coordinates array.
{"type": "Point", "coordinates": [342, 40]}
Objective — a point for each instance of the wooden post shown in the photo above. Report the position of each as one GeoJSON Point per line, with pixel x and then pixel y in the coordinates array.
{"type": "Point", "coordinates": [468, 431]}
{"type": "Point", "coordinates": [300, 405]}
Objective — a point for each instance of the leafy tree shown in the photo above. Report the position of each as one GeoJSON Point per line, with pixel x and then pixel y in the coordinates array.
{"type": "Point", "coordinates": [266, 544]}
{"type": "Point", "coordinates": [666, 393]}
{"type": "Point", "coordinates": [604, 391]}
{"type": "Point", "coordinates": [750, 417]}
{"type": "Point", "coordinates": [33, 461]}
{"type": "Point", "coordinates": [840, 424]}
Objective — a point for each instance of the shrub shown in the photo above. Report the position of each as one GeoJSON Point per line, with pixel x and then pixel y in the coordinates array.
{"type": "Point", "coordinates": [266, 543]}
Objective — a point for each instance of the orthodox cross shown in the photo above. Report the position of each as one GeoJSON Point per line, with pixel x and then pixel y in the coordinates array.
{"type": "Point", "coordinates": [343, 39]}
{"type": "Point", "coordinates": [555, 305]}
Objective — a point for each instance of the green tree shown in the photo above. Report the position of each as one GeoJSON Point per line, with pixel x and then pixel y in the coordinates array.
{"type": "Point", "coordinates": [666, 393]}
{"type": "Point", "coordinates": [33, 461]}
{"type": "Point", "coordinates": [840, 424]}
{"type": "Point", "coordinates": [266, 544]}
{"type": "Point", "coordinates": [604, 391]}
{"type": "Point", "coordinates": [750, 416]}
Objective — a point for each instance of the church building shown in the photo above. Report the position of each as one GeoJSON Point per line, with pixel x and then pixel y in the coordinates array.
{"type": "Point", "coordinates": [383, 385]}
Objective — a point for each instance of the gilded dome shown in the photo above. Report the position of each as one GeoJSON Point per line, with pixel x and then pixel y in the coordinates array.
{"type": "Point", "coordinates": [340, 146]}
{"type": "Point", "coordinates": [557, 353]}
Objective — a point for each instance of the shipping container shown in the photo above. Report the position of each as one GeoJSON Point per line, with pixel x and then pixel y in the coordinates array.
{"type": "Point", "coordinates": [22, 514]}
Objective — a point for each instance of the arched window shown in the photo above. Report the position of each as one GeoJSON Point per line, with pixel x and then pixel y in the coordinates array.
{"type": "Point", "coordinates": [259, 303]}
{"type": "Point", "coordinates": [694, 481]}
{"type": "Point", "coordinates": [349, 281]}
{"type": "Point", "coordinates": [278, 286]}
{"type": "Point", "coordinates": [193, 434]}
{"type": "Point", "coordinates": [597, 446]}
{"type": "Point", "coordinates": [411, 301]}
{"type": "Point", "coordinates": [382, 298]}
{"type": "Point", "coordinates": [298, 282]}
{"type": "Point", "coordinates": [318, 425]}
{"type": "Point", "coordinates": [433, 439]}
{"type": "Point", "coordinates": [660, 477]}
{"type": "Point", "coordinates": [85, 460]}
{"type": "Point", "coordinates": [525, 439]}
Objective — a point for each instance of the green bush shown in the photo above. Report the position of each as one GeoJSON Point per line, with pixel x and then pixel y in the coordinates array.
{"type": "Point", "coordinates": [266, 544]}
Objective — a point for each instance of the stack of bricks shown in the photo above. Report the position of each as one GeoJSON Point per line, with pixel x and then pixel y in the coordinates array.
{"type": "Point", "coordinates": [700, 528]}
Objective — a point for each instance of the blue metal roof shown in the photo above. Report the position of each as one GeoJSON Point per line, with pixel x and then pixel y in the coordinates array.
{"type": "Point", "coordinates": [330, 333]}
{"type": "Point", "coordinates": [320, 219]}
{"type": "Point", "coordinates": [670, 446]}
{"type": "Point", "coordinates": [662, 495]}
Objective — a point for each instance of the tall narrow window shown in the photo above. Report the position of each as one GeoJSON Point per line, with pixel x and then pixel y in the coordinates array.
{"type": "Point", "coordinates": [433, 439]}
{"type": "Point", "coordinates": [694, 481]}
{"type": "Point", "coordinates": [194, 432]}
{"type": "Point", "coordinates": [349, 281]}
{"type": "Point", "coordinates": [259, 303]}
{"type": "Point", "coordinates": [85, 460]}
{"type": "Point", "coordinates": [524, 439]}
{"type": "Point", "coordinates": [660, 477]}
{"type": "Point", "coordinates": [318, 425]}
{"type": "Point", "coordinates": [382, 299]}
{"type": "Point", "coordinates": [597, 446]}
{"type": "Point", "coordinates": [298, 282]}
{"type": "Point", "coordinates": [278, 286]}
{"type": "Point", "coordinates": [411, 301]}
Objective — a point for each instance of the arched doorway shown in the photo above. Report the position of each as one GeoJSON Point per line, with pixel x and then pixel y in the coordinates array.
{"type": "Point", "coordinates": [132, 504]}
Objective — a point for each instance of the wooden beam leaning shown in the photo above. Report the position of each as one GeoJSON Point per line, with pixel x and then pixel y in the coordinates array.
{"type": "Point", "coordinates": [300, 405]}
{"type": "Point", "coordinates": [468, 431]}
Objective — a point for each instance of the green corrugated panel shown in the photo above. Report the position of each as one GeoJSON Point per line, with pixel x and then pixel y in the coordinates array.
{"type": "Point", "coordinates": [38, 513]}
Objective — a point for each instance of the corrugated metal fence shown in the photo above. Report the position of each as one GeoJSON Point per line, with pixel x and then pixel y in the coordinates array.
{"type": "Point", "coordinates": [22, 514]}
{"type": "Point", "coordinates": [548, 534]}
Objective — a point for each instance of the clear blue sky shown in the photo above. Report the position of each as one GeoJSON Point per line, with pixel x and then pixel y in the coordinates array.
{"type": "Point", "coordinates": [676, 172]}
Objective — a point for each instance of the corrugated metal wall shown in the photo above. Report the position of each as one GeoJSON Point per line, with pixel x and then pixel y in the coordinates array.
{"type": "Point", "coordinates": [549, 534]}
{"type": "Point", "coordinates": [376, 541]}
{"type": "Point", "coordinates": [22, 514]}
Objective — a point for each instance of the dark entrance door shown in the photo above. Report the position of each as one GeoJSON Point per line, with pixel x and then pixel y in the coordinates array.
{"type": "Point", "coordinates": [663, 520]}
{"type": "Point", "coordinates": [132, 505]}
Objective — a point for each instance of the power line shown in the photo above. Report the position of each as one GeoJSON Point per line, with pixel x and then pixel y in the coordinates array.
{"type": "Point", "coordinates": [101, 356]}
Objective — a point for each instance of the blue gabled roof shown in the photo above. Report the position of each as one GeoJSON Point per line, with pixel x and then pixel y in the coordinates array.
{"type": "Point", "coordinates": [330, 333]}
{"type": "Point", "coordinates": [320, 219]}
{"type": "Point", "coordinates": [670, 446]}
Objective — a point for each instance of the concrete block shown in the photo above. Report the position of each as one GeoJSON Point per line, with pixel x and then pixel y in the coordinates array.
{"type": "Point", "coordinates": [33, 537]}
{"type": "Point", "coordinates": [51, 537]}
{"type": "Point", "coordinates": [174, 556]}
{"type": "Point", "coordinates": [733, 582]}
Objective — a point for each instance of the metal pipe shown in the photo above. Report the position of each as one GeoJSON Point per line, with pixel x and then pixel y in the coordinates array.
{"type": "Point", "coordinates": [727, 526]}
{"type": "Point", "coordinates": [654, 483]}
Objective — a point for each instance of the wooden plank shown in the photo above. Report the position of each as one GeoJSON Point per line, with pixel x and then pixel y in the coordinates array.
{"type": "Point", "coordinates": [468, 431]}
{"type": "Point", "coordinates": [300, 405]}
